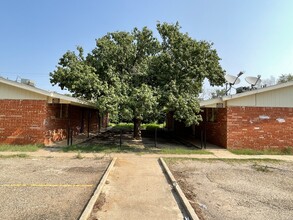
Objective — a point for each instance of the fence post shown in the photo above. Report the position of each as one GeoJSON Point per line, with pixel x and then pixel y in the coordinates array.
{"type": "Point", "coordinates": [201, 139]}
{"type": "Point", "coordinates": [71, 137]}
{"type": "Point", "coordinates": [156, 137]}
{"type": "Point", "coordinates": [68, 136]}
{"type": "Point", "coordinates": [120, 143]}
{"type": "Point", "coordinates": [205, 138]}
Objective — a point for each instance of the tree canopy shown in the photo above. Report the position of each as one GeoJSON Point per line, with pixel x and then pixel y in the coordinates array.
{"type": "Point", "coordinates": [138, 76]}
{"type": "Point", "coordinates": [218, 93]}
{"type": "Point", "coordinates": [285, 78]}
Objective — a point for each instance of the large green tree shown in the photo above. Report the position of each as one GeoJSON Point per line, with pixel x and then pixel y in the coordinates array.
{"type": "Point", "coordinates": [180, 69]}
{"type": "Point", "coordinates": [117, 69]}
{"type": "Point", "coordinates": [139, 75]}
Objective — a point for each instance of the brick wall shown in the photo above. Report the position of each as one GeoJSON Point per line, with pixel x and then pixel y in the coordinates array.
{"type": "Point", "coordinates": [214, 124]}
{"type": "Point", "coordinates": [36, 122]}
{"type": "Point", "coordinates": [61, 117]}
{"type": "Point", "coordinates": [22, 121]}
{"type": "Point", "coordinates": [259, 127]}
{"type": "Point", "coordinates": [244, 127]}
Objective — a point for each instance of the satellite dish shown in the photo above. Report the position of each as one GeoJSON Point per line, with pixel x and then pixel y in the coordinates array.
{"type": "Point", "coordinates": [253, 81]}
{"type": "Point", "coordinates": [233, 80]}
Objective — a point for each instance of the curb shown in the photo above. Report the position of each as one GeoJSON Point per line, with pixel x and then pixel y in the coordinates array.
{"type": "Point", "coordinates": [190, 211]}
{"type": "Point", "coordinates": [89, 208]}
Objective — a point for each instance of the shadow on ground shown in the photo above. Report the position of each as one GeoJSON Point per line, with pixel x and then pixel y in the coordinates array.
{"type": "Point", "coordinates": [121, 141]}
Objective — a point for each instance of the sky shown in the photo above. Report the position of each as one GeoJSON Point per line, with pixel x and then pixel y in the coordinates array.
{"type": "Point", "coordinates": [254, 36]}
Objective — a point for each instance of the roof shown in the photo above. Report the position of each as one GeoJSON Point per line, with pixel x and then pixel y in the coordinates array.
{"type": "Point", "coordinates": [51, 96]}
{"type": "Point", "coordinates": [243, 98]}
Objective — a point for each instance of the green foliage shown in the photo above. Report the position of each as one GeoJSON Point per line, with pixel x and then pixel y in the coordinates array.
{"type": "Point", "coordinates": [287, 151]}
{"type": "Point", "coordinates": [123, 126]}
{"type": "Point", "coordinates": [141, 101]}
{"type": "Point", "coordinates": [20, 148]}
{"type": "Point", "coordinates": [134, 75]}
{"type": "Point", "coordinates": [76, 75]}
{"type": "Point", "coordinates": [152, 117]}
{"type": "Point", "coordinates": [285, 78]}
{"type": "Point", "coordinates": [129, 126]}
{"type": "Point", "coordinates": [152, 126]}
{"type": "Point", "coordinates": [218, 93]}
{"type": "Point", "coordinates": [179, 70]}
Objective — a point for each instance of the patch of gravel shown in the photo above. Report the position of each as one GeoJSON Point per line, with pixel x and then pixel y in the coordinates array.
{"type": "Point", "coordinates": [64, 187]}
{"type": "Point", "coordinates": [237, 190]}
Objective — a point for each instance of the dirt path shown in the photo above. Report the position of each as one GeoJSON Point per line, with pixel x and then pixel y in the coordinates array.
{"type": "Point", "coordinates": [137, 189]}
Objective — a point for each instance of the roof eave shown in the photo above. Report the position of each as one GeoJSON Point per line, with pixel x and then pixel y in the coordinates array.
{"type": "Point", "coordinates": [68, 99]}
{"type": "Point", "coordinates": [210, 102]}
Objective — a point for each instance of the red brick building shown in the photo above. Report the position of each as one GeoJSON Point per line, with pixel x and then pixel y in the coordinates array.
{"type": "Point", "coordinates": [29, 115]}
{"type": "Point", "coordinates": [256, 119]}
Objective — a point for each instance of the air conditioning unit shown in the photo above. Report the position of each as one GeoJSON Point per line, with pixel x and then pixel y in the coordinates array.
{"type": "Point", "coordinates": [242, 89]}
{"type": "Point", "coordinates": [27, 82]}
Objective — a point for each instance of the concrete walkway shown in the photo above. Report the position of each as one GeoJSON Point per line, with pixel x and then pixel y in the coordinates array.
{"type": "Point", "coordinates": [138, 189]}
{"type": "Point", "coordinates": [225, 154]}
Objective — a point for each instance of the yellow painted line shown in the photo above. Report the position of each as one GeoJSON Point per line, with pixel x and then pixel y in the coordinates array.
{"type": "Point", "coordinates": [46, 185]}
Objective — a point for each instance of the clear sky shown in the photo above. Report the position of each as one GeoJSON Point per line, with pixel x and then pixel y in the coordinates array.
{"type": "Point", "coordinates": [251, 35]}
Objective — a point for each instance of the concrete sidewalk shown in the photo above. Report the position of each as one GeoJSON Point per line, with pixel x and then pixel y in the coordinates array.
{"type": "Point", "coordinates": [138, 189]}
{"type": "Point", "coordinates": [225, 154]}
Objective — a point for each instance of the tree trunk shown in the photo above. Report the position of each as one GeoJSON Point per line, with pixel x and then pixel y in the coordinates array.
{"type": "Point", "coordinates": [136, 128]}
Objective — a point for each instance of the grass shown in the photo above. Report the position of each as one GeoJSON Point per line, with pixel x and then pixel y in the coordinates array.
{"type": "Point", "coordinates": [20, 148]}
{"type": "Point", "coordinates": [99, 148]}
{"type": "Point", "coordinates": [228, 160]}
{"type": "Point", "coordinates": [260, 168]}
{"type": "Point", "coordinates": [182, 151]}
{"type": "Point", "coordinates": [264, 160]}
{"type": "Point", "coordinates": [79, 156]}
{"type": "Point", "coordinates": [104, 148]}
{"type": "Point", "coordinates": [123, 126]}
{"type": "Point", "coordinates": [284, 151]}
{"type": "Point", "coordinates": [14, 156]}
{"type": "Point", "coordinates": [152, 126]}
